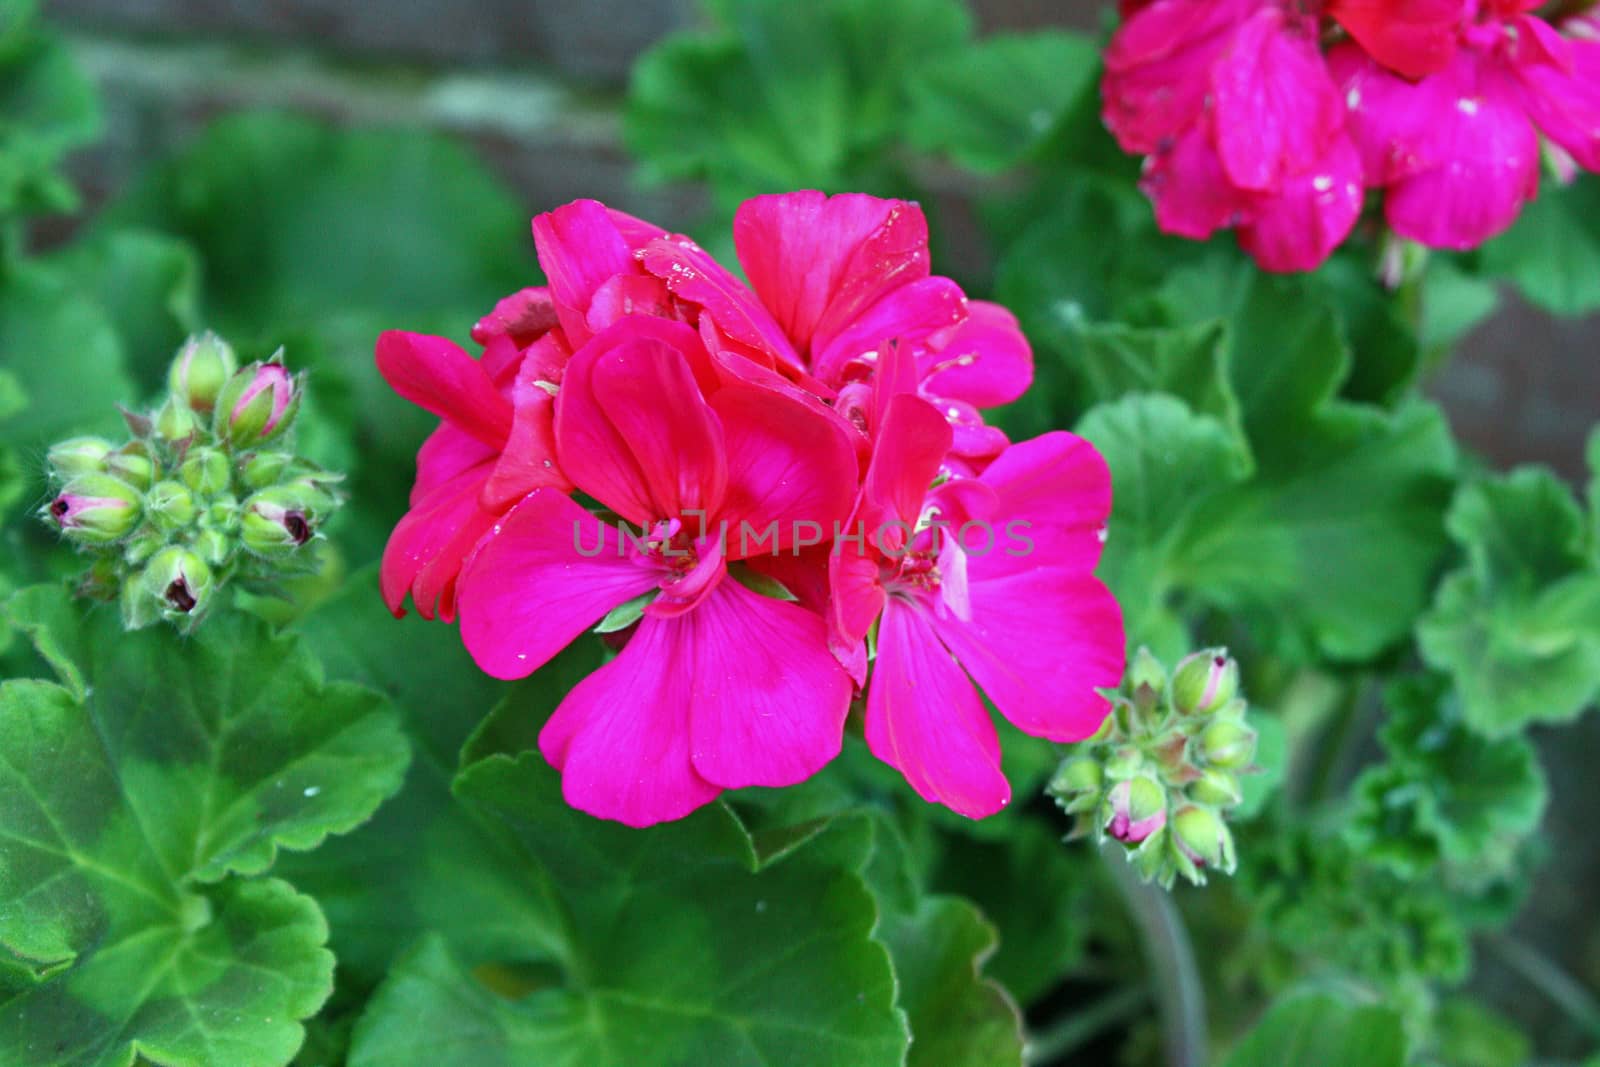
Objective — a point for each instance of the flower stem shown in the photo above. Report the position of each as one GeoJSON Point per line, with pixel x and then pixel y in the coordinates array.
{"type": "Point", "coordinates": [1080, 1028]}
{"type": "Point", "coordinates": [1547, 976]}
{"type": "Point", "coordinates": [1180, 997]}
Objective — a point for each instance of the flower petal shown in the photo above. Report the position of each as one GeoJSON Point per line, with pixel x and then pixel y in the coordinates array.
{"type": "Point", "coordinates": [1039, 643]}
{"type": "Point", "coordinates": [436, 375]}
{"type": "Point", "coordinates": [768, 699]}
{"type": "Point", "coordinates": [1566, 104]}
{"type": "Point", "coordinates": [694, 276]}
{"type": "Point", "coordinates": [579, 247]}
{"type": "Point", "coordinates": [985, 360]}
{"type": "Point", "coordinates": [524, 316]}
{"type": "Point", "coordinates": [529, 459]}
{"type": "Point", "coordinates": [1413, 38]}
{"type": "Point", "coordinates": [447, 453]}
{"type": "Point", "coordinates": [438, 531]}
{"type": "Point", "coordinates": [925, 719]}
{"type": "Point", "coordinates": [909, 315]}
{"type": "Point", "coordinates": [548, 572]}
{"type": "Point", "coordinates": [621, 737]}
{"type": "Point", "coordinates": [909, 447]}
{"type": "Point", "coordinates": [1310, 215]}
{"type": "Point", "coordinates": [1052, 500]}
{"type": "Point", "coordinates": [1191, 192]}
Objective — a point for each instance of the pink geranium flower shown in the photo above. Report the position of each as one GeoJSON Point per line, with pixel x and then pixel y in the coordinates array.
{"type": "Point", "coordinates": [719, 687]}
{"type": "Point", "coordinates": [1232, 102]}
{"type": "Point", "coordinates": [1458, 153]}
{"type": "Point", "coordinates": [1003, 595]}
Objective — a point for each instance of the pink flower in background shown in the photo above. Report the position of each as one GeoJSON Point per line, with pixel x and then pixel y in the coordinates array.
{"type": "Point", "coordinates": [719, 687]}
{"type": "Point", "coordinates": [1232, 102]}
{"type": "Point", "coordinates": [727, 426]}
{"type": "Point", "coordinates": [1247, 124]}
{"type": "Point", "coordinates": [1003, 599]}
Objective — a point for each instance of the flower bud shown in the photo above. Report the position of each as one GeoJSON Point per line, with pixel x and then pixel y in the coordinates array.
{"type": "Point", "coordinates": [266, 468]}
{"type": "Point", "coordinates": [257, 404]}
{"type": "Point", "coordinates": [175, 423]}
{"type": "Point", "coordinates": [1216, 787]}
{"type": "Point", "coordinates": [176, 583]}
{"type": "Point", "coordinates": [169, 505]}
{"type": "Point", "coordinates": [205, 471]}
{"type": "Point", "coordinates": [1204, 682]}
{"type": "Point", "coordinates": [1229, 744]}
{"type": "Point", "coordinates": [95, 509]}
{"type": "Point", "coordinates": [213, 546]}
{"type": "Point", "coordinates": [1081, 774]}
{"type": "Point", "coordinates": [1146, 670]}
{"type": "Point", "coordinates": [279, 520]}
{"type": "Point", "coordinates": [1204, 837]}
{"type": "Point", "coordinates": [78, 455]}
{"type": "Point", "coordinates": [133, 465]}
{"type": "Point", "coordinates": [199, 371]}
{"type": "Point", "coordinates": [1137, 809]}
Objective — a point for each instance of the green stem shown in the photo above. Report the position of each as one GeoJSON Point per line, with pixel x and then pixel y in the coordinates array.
{"type": "Point", "coordinates": [1180, 997]}
{"type": "Point", "coordinates": [1547, 976]}
{"type": "Point", "coordinates": [1080, 1028]}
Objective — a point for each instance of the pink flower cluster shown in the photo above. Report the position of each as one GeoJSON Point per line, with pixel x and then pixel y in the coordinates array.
{"type": "Point", "coordinates": [1248, 121]}
{"type": "Point", "coordinates": [775, 496]}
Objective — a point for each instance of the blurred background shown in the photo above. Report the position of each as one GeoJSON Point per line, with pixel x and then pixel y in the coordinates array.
{"type": "Point", "coordinates": [535, 90]}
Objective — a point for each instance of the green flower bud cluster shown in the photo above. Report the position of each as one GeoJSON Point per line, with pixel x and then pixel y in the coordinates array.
{"type": "Point", "coordinates": [1163, 770]}
{"type": "Point", "coordinates": [205, 492]}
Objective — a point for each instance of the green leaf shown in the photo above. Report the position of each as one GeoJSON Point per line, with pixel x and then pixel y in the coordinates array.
{"type": "Point", "coordinates": [783, 95]}
{"type": "Point", "coordinates": [958, 1017]}
{"type": "Point", "coordinates": [64, 353]}
{"type": "Point", "coordinates": [1191, 363]}
{"type": "Point", "coordinates": [1468, 1034]}
{"type": "Point", "coordinates": [1446, 794]}
{"type": "Point", "coordinates": [1552, 254]}
{"type": "Point", "coordinates": [1518, 626]}
{"type": "Point", "coordinates": [678, 948]}
{"type": "Point", "coordinates": [49, 106]}
{"type": "Point", "coordinates": [988, 105]}
{"type": "Point", "coordinates": [149, 286]}
{"type": "Point", "coordinates": [1319, 1028]}
{"type": "Point", "coordinates": [135, 798]}
{"type": "Point", "coordinates": [1165, 463]}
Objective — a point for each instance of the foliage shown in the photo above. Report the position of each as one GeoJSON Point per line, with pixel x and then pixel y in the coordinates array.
{"type": "Point", "coordinates": [312, 833]}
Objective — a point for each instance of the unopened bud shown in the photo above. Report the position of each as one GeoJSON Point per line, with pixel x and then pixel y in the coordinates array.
{"type": "Point", "coordinates": [213, 546]}
{"type": "Point", "coordinates": [133, 465]}
{"type": "Point", "coordinates": [95, 509]}
{"type": "Point", "coordinates": [205, 471]}
{"type": "Point", "coordinates": [1146, 670]}
{"type": "Point", "coordinates": [176, 583]}
{"type": "Point", "coordinates": [1216, 787]}
{"type": "Point", "coordinates": [78, 455]}
{"type": "Point", "coordinates": [1137, 809]}
{"type": "Point", "coordinates": [1204, 838]}
{"type": "Point", "coordinates": [170, 505]}
{"type": "Point", "coordinates": [1228, 744]}
{"type": "Point", "coordinates": [257, 404]}
{"type": "Point", "coordinates": [175, 423]}
{"type": "Point", "coordinates": [266, 468]}
{"type": "Point", "coordinates": [1081, 774]}
{"type": "Point", "coordinates": [1204, 682]}
{"type": "Point", "coordinates": [200, 370]}
{"type": "Point", "coordinates": [278, 520]}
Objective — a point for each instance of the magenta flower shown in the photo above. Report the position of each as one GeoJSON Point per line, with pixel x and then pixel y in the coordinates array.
{"type": "Point", "coordinates": [1458, 152]}
{"type": "Point", "coordinates": [719, 687]}
{"type": "Point", "coordinates": [1002, 595]}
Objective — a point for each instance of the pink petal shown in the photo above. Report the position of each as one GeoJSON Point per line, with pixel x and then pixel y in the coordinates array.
{"type": "Point", "coordinates": [1192, 194]}
{"type": "Point", "coordinates": [1275, 105]}
{"type": "Point", "coordinates": [1158, 68]}
{"type": "Point", "coordinates": [909, 315]}
{"type": "Point", "coordinates": [438, 530]}
{"type": "Point", "coordinates": [818, 262]}
{"type": "Point", "coordinates": [768, 700]}
{"type": "Point", "coordinates": [1039, 643]}
{"type": "Point", "coordinates": [925, 719]}
{"type": "Point", "coordinates": [1477, 159]}
{"type": "Point", "coordinates": [549, 571]}
{"type": "Point", "coordinates": [788, 465]}
{"type": "Point", "coordinates": [908, 450]}
{"type": "Point", "coordinates": [854, 583]}
{"type": "Point", "coordinates": [631, 427]}
{"type": "Point", "coordinates": [436, 375]}
{"type": "Point", "coordinates": [529, 459]}
{"type": "Point", "coordinates": [1414, 38]}
{"type": "Point", "coordinates": [1310, 215]}
{"type": "Point", "coordinates": [1566, 104]}
{"type": "Point", "coordinates": [579, 247]}
{"type": "Point", "coordinates": [1052, 499]}
{"type": "Point", "coordinates": [628, 294]}
{"type": "Point", "coordinates": [524, 316]}
{"type": "Point", "coordinates": [621, 737]}
{"type": "Point", "coordinates": [448, 453]}
{"type": "Point", "coordinates": [985, 361]}
{"type": "Point", "coordinates": [694, 276]}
